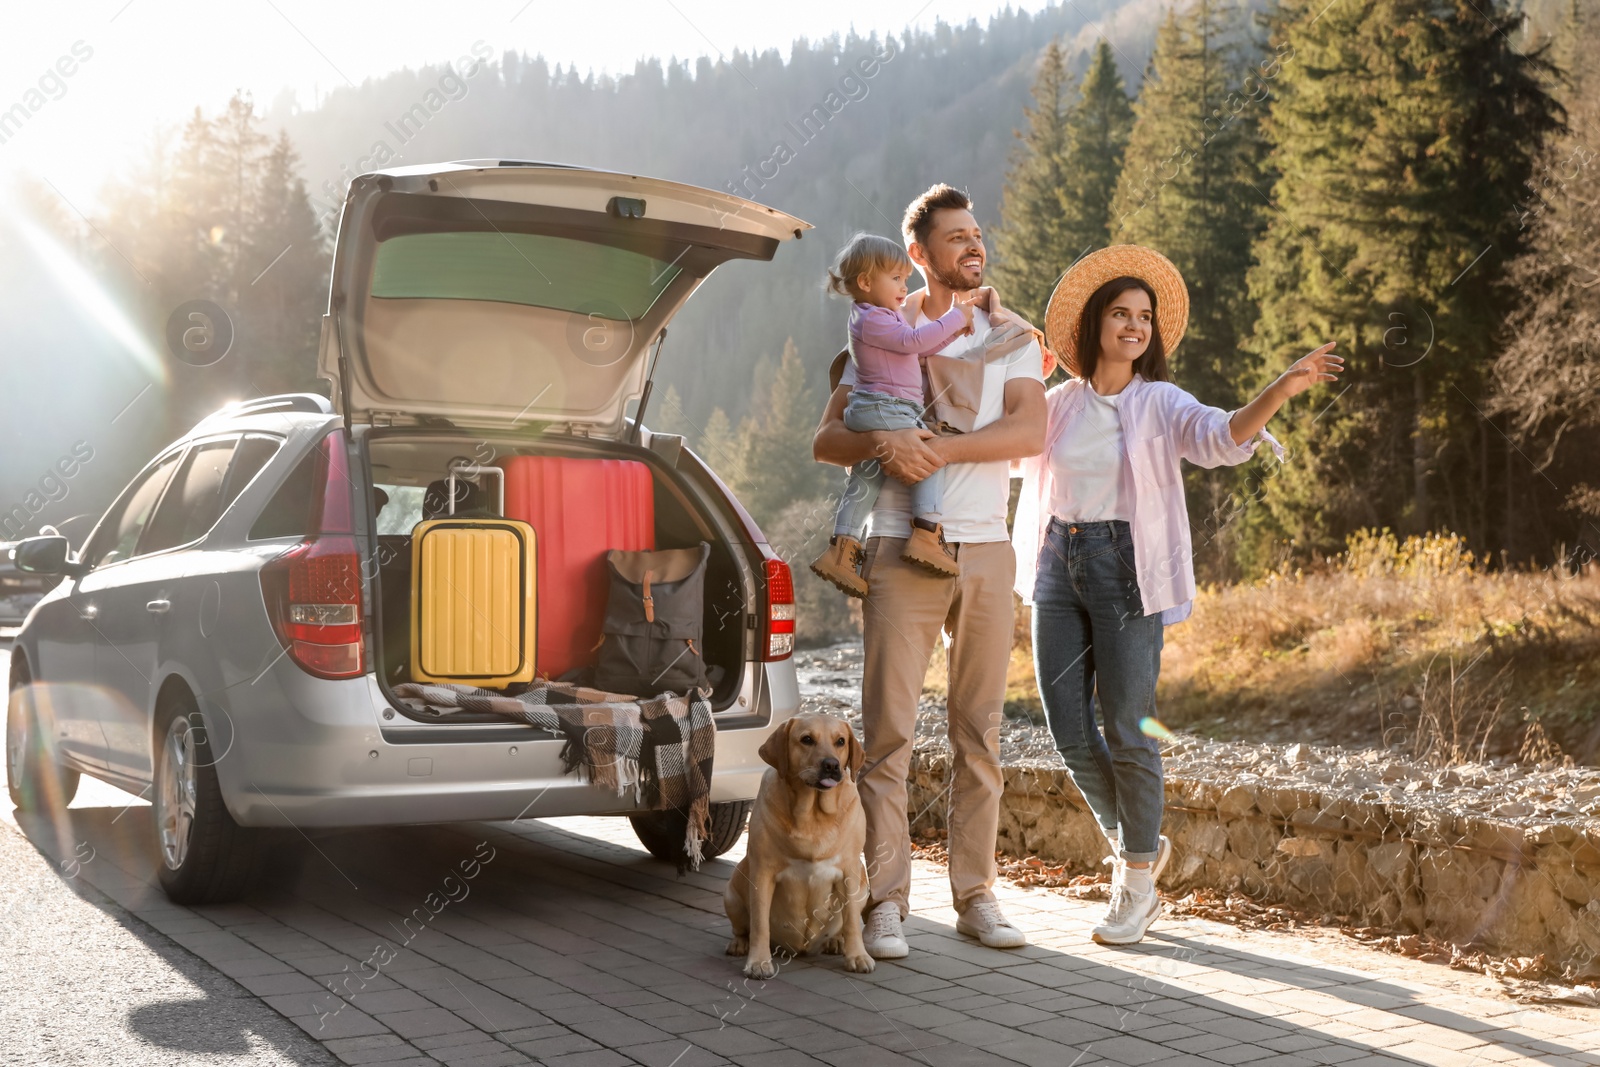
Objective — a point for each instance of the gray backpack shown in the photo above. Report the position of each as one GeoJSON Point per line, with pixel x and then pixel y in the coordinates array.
{"type": "Point", "coordinates": [654, 621]}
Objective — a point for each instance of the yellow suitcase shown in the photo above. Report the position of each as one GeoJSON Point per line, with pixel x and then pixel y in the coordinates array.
{"type": "Point", "coordinates": [472, 601]}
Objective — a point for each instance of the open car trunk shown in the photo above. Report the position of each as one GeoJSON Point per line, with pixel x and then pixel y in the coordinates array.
{"type": "Point", "coordinates": [405, 463]}
{"type": "Point", "coordinates": [503, 295]}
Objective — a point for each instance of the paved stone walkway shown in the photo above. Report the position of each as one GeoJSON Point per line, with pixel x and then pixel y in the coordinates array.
{"type": "Point", "coordinates": [561, 942]}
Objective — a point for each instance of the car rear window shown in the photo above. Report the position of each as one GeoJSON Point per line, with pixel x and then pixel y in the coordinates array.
{"type": "Point", "coordinates": [521, 268]}
{"type": "Point", "coordinates": [399, 508]}
{"type": "Point", "coordinates": [253, 454]}
{"type": "Point", "coordinates": [288, 513]}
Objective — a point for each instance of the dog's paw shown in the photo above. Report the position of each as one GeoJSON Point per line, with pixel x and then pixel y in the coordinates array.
{"type": "Point", "coordinates": [861, 964]}
{"type": "Point", "coordinates": [739, 946]}
{"type": "Point", "coordinates": [834, 946]}
{"type": "Point", "coordinates": [760, 969]}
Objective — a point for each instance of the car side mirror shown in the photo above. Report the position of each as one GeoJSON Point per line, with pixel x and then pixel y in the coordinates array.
{"type": "Point", "coordinates": [50, 554]}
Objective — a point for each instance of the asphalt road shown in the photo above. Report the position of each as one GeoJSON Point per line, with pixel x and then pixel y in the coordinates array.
{"type": "Point", "coordinates": [83, 981]}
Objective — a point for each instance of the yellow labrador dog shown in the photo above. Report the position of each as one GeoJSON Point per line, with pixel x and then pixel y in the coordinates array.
{"type": "Point", "coordinates": [802, 883]}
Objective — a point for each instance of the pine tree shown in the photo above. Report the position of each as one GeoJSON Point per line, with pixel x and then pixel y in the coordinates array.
{"type": "Point", "coordinates": [1189, 188]}
{"type": "Point", "coordinates": [232, 163]}
{"type": "Point", "coordinates": [719, 447]}
{"type": "Point", "coordinates": [1403, 132]}
{"type": "Point", "coordinates": [1030, 252]}
{"type": "Point", "coordinates": [1097, 136]}
{"type": "Point", "coordinates": [224, 216]}
{"type": "Point", "coordinates": [281, 303]}
{"type": "Point", "coordinates": [1190, 181]}
{"type": "Point", "coordinates": [775, 442]}
{"type": "Point", "coordinates": [668, 415]}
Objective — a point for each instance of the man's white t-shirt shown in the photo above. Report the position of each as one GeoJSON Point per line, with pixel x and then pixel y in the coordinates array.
{"type": "Point", "coordinates": [975, 494]}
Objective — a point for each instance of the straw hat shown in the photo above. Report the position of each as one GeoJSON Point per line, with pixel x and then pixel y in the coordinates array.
{"type": "Point", "coordinates": [1081, 280]}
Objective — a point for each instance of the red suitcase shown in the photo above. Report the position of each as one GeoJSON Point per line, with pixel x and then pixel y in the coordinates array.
{"type": "Point", "coordinates": [579, 509]}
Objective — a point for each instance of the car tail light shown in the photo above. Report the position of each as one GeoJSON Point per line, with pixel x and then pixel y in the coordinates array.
{"type": "Point", "coordinates": [777, 636]}
{"type": "Point", "coordinates": [313, 591]}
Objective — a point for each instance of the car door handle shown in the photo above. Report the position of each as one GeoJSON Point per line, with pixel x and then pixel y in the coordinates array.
{"type": "Point", "coordinates": [158, 607]}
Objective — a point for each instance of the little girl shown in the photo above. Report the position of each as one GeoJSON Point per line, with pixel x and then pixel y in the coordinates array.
{"type": "Point", "coordinates": [887, 395]}
{"type": "Point", "coordinates": [1103, 545]}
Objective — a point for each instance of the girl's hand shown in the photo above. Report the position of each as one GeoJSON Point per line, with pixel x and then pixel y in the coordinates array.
{"type": "Point", "coordinates": [964, 303]}
{"type": "Point", "coordinates": [1320, 365]}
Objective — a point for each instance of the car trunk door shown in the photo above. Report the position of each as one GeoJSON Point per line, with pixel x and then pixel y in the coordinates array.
{"type": "Point", "coordinates": [496, 295]}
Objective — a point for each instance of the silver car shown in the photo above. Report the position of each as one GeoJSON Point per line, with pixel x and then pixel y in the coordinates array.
{"type": "Point", "coordinates": [225, 643]}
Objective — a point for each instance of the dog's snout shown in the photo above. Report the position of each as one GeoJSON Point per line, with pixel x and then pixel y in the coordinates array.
{"type": "Point", "coordinates": [830, 765]}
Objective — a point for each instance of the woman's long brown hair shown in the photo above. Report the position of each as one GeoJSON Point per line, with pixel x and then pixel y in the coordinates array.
{"type": "Point", "coordinates": [1153, 364]}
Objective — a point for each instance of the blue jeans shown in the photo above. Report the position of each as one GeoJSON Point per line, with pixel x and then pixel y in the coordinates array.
{"type": "Point", "coordinates": [880, 411]}
{"type": "Point", "coordinates": [1094, 645]}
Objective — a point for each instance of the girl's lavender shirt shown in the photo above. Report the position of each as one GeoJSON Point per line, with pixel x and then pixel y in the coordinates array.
{"type": "Point", "coordinates": [885, 347]}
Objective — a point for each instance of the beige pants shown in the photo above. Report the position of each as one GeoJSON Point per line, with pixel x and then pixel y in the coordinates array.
{"type": "Point", "coordinates": [902, 618]}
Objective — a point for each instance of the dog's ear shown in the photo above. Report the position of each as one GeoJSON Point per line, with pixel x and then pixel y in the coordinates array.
{"type": "Point", "coordinates": [775, 749]}
{"type": "Point", "coordinates": [858, 755]}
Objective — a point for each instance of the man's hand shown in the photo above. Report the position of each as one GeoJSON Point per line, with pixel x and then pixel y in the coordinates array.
{"type": "Point", "coordinates": [906, 456]}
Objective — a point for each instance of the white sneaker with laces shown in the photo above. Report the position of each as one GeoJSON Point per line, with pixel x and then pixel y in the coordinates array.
{"type": "Point", "coordinates": [984, 921]}
{"type": "Point", "coordinates": [1130, 912]}
{"type": "Point", "coordinates": [1128, 916]}
{"type": "Point", "coordinates": [883, 938]}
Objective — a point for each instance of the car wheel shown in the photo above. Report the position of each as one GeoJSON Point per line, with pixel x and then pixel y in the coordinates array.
{"type": "Point", "coordinates": [202, 855]}
{"type": "Point", "coordinates": [662, 832]}
{"type": "Point", "coordinates": [34, 779]}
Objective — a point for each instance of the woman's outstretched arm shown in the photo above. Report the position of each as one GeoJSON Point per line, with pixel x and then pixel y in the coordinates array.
{"type": "Point", "coordinates": [1320, 365]}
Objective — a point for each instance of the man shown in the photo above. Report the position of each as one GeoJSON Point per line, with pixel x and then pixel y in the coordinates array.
{"type": "Point", "coordinates": [907, 606]}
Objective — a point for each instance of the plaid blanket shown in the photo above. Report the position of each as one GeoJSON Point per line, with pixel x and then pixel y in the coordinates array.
{"type": "Point", "coordinates": [660, 748]}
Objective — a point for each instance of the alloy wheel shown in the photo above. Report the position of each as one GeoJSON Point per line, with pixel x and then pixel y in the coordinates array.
{"type": "Point", "coordinates": [175, 793]}
{"type": "Point", "coordinates": [16, 740]}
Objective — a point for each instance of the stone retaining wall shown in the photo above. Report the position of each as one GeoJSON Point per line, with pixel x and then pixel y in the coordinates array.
{"type": "Point", "coordinates": [1410, 868]}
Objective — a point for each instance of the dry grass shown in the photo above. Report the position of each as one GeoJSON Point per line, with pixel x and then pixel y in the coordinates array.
{"type": "Point", "coordinates": [1411, 643]}
{"type": "Point", "coordinates": [1022, 694]}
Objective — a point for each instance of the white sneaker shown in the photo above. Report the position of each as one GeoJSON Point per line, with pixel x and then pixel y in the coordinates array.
{"type": "Point", "coordinates": [984, 921]}
{"type": "Point", "coordinates": [1113, 928]}
{"type": "Point", "coordinates": [1163, 854]}
{"type": "Point", "coordinates": [883, 938]}
{"type": "Point", "coordinates": [1128, 916]}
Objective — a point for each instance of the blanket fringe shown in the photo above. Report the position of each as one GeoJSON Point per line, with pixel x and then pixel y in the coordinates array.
{"type": "Point", "coordinates": [699, 826]}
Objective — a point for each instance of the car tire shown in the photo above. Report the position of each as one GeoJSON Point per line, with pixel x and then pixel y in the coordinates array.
{"type": "Point", "coordinates": [662, 832]}
{"type": "Point", "coordinates": [35, 780]}
{"type": "Point", "coordinates": [201, 855]}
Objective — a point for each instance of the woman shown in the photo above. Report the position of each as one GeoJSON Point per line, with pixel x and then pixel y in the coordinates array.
{"type": "Point", "coordinates": [1102, 540]}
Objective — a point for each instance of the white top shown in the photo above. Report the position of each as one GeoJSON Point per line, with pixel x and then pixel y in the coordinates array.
{"type": "Point", "coordinates": [976, 495]}
{"type": "Point", "coordinates": [1161, 426]}
{"type": "Point", "coordinates": [1087, 463]}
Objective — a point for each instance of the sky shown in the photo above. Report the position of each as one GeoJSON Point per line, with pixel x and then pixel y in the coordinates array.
{"type": "Point", "coordinates": [95, 78]}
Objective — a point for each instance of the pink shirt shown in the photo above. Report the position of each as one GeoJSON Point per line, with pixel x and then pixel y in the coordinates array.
{"type": "Point", "coordinates": [884, 348]}
{"type": "Point", "coordinates": [1161, 424]}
